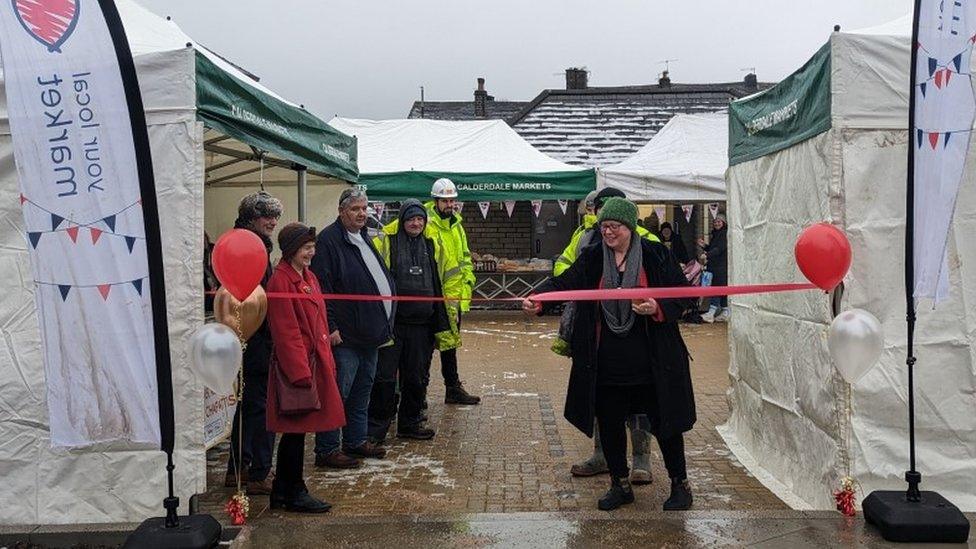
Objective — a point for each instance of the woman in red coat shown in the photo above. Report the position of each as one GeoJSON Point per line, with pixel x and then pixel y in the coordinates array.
{"type": "Point", "coordinates": [303, 396]}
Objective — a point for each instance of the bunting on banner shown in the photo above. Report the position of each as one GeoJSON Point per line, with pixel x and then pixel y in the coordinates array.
{"type": "Point", "coordinates": [81, 148]}
{"type": "Point", "coordinates": [536, 207]}
{"type": "Point", "coordinates": [563, 204]}
{"type": "Point", "coordinates": [378, 207]}
{"type": "Point", "coordinates": [460, 206]}
{"type": "Point", "coordinates": [713, 209]}
{"type": "Point", "coordinates": [509, 207]}
{"type": "Point", "coordinates": [943, 120]}
{"type": "Point", "coordinates": [687, 209]}
{"type": "Point", "coordinates": [484, 207]}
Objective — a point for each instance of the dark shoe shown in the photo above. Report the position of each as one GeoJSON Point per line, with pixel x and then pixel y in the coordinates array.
{"type": "Point", "coordinates": [303, 502]}
{"type": "Point", "coordinates": [417, 432]}
{"type": "Point", "coordinates": [260, 487]}
{"type": "Point", "coordinates": [589, 468]}
{"type": "Point", "coordinates": [680, 499]}
{"type": "Point", "coordinates": [620, 493]}
{"type": "Point", "coordinates": [337, 460]}
{"type": "Point", "coordinates": [457, 395]}
{"type": "Point", "coordinates": [367, 450]}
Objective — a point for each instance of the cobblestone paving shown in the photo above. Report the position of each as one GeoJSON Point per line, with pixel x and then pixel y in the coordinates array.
{"type": "Point", "coordinates": [513, 452]}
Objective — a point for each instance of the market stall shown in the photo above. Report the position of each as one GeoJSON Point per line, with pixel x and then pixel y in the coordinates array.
{"type": "Point", "coordinates": [202, 112]}
{"type": "Point", "coordinates": [828, 143]}
{"type": "Point", "coordinates": [517, 212]}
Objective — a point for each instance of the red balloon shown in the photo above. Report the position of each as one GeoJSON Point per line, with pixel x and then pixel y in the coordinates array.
{"type": "Point", "coordinates": [823, 253]}
{"type": "Point", "coordinates": [239, 262]}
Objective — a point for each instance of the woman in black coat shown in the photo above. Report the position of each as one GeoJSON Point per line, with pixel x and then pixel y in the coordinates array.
{"type": "Point", "coordinates": [628, 357]}
{"type": "Point", "coordinates": [717, 258]}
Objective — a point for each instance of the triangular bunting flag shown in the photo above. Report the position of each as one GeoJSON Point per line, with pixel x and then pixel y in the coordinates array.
{"type": "Point", "coordinates": [536, 207]}
{"type": "Point", "coordinates": [688, 209]}
{"type": "Point", "coordinates": [34, 238]}
{"type": "Point", "coordinates": [922, 88]}
{"type": "Point", "coordinates": [110, 221]}
{"type": "Point", "coordinates": [56, 221]}
{"type": "Point", "coordinates": [563, 204]}
{"type": "Point", "coordinates": [659, 211]}
{"type": "Point", "coordinates": [713, 209]}
{"type": "Point", "coordinates": [130, 241]}
{"type": "Point", "coordinates": [509, 207]}
{"type": "Point", "coordinates": [938, 79]}
{"type": "Point", "coordinates": [138, 285]}
{"type": "Point", "coordinates": [919, 135]}
{"type": "Point", "coordinates": [95, 234]}
{"type": "Point", "coordinates": [64, 289]}
{"type": "Point", "coordinates": [933, 139]}
{"type": "Point", "coordinates": [378, 207]}
{"type": "Point", "coordinates": [460, 206]}
{"type": "Point", "coordinates": [932, 66]}
{"type": "Point", "coordinates": [73, 233]}
{"type": "Point", "coordinates": [957, 61]}
{"type": "Point", "coordinates": [104, 289]}
{"type": "Point", "coordinates": [484, 207]}
{"type": "Point", "coordinates": [948, 75]}
{"type": "Point", "coordinates": [946, 142]}
{"type": "Point", "coordinates": [22, 199]}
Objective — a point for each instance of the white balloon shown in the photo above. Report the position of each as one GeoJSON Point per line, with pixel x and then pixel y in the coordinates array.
{"type": "Point", "coordinates": [215, 356]}
{"type": "Point", "coordinates": [855, 342]}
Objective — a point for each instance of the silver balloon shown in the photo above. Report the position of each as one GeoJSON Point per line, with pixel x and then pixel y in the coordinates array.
{"type": "Point", "coordinates": [855, 342]}
{"type": "Point", "coordinates": [215, 356]}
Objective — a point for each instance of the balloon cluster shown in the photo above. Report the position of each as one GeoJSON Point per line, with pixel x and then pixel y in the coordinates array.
{"type": "Point", "coordinates": [240, 305]}
{"type": "Point", "coordinates": [855, 339]}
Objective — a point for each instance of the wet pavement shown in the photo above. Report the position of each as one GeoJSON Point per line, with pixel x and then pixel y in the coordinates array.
{"type": "Point", "coordinates": [497, 474]}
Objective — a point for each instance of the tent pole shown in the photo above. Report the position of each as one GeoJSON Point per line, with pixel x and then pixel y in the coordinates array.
{"type": "Point", "coordinates": [302, 192]}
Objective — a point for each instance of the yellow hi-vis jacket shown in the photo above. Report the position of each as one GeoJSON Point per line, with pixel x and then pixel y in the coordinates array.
{"type": "Point", "coordinates": [568, 257]}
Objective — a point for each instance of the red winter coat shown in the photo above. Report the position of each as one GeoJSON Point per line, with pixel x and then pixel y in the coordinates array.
{"type": "Point", "coordinates": [296, 326]}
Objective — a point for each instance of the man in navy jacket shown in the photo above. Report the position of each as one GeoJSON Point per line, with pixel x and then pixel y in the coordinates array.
{"type": "Point", "coordinates": [346, 262]}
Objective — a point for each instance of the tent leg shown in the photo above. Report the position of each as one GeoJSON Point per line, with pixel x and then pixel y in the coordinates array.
{"type": "Point", "coordinates": [302, 192]}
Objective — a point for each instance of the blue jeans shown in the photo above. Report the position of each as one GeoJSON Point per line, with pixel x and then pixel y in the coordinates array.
{"type": "Point", "coordinates": [356, 369]}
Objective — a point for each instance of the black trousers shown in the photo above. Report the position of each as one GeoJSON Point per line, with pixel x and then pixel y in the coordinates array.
{"type": "Point", "coordinates": [290, 468]}
{"type": "Point", "coordinates": [614, 403]}
{"type": "Point", "coordinates": [449, 364]}
{"type": "Point", "coordinates": [257, 444]}
{"type": "Point", "coordinates": [407, 361]}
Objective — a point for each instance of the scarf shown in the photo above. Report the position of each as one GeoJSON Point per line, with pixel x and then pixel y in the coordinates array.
{"type": "Point", "coordinates": [618, 313]}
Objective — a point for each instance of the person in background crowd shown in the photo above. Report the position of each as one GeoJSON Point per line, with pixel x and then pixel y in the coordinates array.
{"type": "Point", "coordinates": [628, 356]}
{"type": "Point", "coordinates": [210, 283]}
{"type": "Point", "coordinates": [638, 424]}
{"type": "Point", "coordinates": [716, 252]}
{"type": "Point", "coordinates": [258, 212]}
{"type": "Point", "coordinates": [410, 257]}
{"type": "Point", "coordinates": [674, 243]}
{"type": "Point", "coordinates": [581, 237]}
{"type": "Point", "coordinates": [346, 262]}
{"type": "Point", "coordinates": [303, 371]}
{"type": "Point", "coordinates": [454, 261]}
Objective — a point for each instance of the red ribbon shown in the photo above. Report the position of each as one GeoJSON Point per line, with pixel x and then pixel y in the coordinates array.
{"type": "Point", "coordinates": [574, 295]}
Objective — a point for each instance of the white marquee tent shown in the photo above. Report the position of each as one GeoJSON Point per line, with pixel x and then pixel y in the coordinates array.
{"type": "Point", "coordinates": [829, 143]}
{"type": "Point", "coordinates": [684, 162]}
{"type": "Point", "coordinates": [190, 96]}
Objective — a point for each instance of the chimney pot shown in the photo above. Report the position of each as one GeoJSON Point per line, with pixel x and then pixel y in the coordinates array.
{"type": "Point", "coordinates": [481, 84]}
{"type": "Point", "coordinates": [576, 78]}
{"type": "Point", "coordinates": [751, 82]}
{"type": "Point", "coordinates": [481, 99]}
{"type": "Point", "coordinates": [665, 80]}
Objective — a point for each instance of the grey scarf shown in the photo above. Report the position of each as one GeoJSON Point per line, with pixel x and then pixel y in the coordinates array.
{"type": "Point", "coordinates": [619, 314]}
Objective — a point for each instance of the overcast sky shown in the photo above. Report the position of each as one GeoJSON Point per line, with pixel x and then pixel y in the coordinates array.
{"type": "Point", "coordinates": [368, 58]}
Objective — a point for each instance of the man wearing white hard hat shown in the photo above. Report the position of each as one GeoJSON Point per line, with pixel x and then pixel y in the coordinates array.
{"type": "Point", "coordinates": [457, 280]}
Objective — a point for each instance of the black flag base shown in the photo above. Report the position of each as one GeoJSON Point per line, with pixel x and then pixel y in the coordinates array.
{"type": "Point", "coordinates": [931, 519]}
{"type": "Point", "coordinates": [172, 532]}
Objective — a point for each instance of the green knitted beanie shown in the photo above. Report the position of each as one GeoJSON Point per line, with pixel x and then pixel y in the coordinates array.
{"type": "Point", "coordinates": [620, 210]}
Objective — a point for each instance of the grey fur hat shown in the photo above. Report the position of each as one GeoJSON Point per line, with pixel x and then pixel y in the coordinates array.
{"type": "Point", "coordinates": [259, 204]}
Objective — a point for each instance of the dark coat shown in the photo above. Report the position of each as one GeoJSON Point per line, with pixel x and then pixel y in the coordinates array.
{"type": "Point", "coordinates": [298, 326]}
{"type": "Point", "coordinates": [341, 270]}
{"type": "Point", "coordinates": [257, 355]}
{"type": "Point", "coordinates": [718, 258]}
{"type": "Point", "coordinates": [438, 320]}
{"type": "Point", "coordinates": [675, 398]}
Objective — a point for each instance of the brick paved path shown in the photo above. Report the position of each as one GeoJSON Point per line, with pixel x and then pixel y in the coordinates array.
{"type": "Point", "coordinates": [513, 452]}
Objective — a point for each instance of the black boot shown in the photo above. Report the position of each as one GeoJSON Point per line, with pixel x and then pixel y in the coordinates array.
{"type": "Point", "coordinates": [457, 395]}
{"type": "Point", "coordinates": [297, 499]}
{"type": "Point", "coordinates": [416, 432]}
{"type": "Point", "coordinates": [620, 493]}
{"type": "Point", "coordinates": [680, 499]}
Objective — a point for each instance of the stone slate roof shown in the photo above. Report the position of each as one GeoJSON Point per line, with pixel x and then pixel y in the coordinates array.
{"type": "Point", "coordinates": [604, 125]}
{"type": "Point", "coordinates": [464, 110]}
